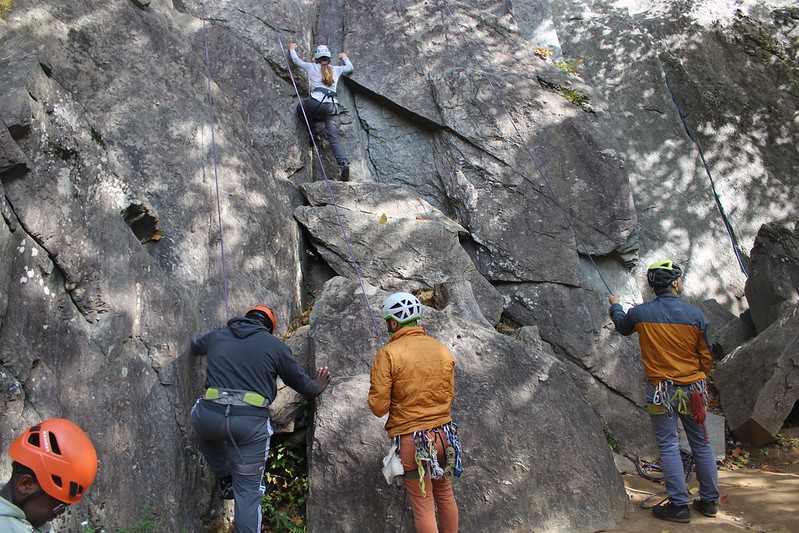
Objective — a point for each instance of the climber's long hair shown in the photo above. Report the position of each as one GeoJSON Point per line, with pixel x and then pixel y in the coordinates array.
{"type": "Point", "coordinates": [327, 75]}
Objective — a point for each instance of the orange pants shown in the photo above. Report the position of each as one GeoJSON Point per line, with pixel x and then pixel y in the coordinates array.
{"type": "Point", "coordinates": [439, 491]}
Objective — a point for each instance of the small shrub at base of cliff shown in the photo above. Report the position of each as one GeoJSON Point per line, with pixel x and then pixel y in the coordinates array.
{"type": "Point", "coordinates": [286, 480]}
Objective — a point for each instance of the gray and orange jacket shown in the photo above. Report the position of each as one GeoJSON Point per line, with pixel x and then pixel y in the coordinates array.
{"type": "Point", "coordinates": [673, 335]}
{"type": "Point", "coordinates": [413, 380]}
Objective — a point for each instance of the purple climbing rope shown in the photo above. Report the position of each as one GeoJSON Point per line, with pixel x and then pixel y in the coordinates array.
{"type": "Point", "coordinates": [216, 176]}
{"type": "Point", "coordinates": [526, 147]}
{"type": "Point", "coordinates": [351, 253]}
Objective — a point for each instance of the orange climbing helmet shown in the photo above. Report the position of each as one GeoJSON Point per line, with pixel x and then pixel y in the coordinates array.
{"type": "Point", "coordinates": [261, 312]}
{"type": "Point", "coordinates": [61, 455]}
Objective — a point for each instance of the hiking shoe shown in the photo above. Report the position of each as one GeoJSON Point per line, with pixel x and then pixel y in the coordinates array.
{"type": "Point", "coordinates": [708, 509]}
{"type": "Point", "coordinates": [345, 172]}
{"type": "Point", "coordinates": [672, 513]}
{"type": "Point", "coordinates": [226, 488]}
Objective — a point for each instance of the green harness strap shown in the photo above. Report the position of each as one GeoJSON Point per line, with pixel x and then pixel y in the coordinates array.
{"type": "Point", "coordinates": [683, 404]}
{"type": "Point", "coordinates": [250, 398]}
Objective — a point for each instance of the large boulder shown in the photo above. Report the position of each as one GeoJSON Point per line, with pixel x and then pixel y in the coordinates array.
{"type": "Point", "coordinates": [759, 382]}
{"type": "Point", "coordinates": [773, 285]}
{"type": "Point", "coordinates": [399, 241]}
{"type": "Point", "coordinates": [518, 412]}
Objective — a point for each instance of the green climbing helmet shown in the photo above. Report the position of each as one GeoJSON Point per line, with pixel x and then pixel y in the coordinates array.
{"type": "Point", "coordinates": [660, 274]}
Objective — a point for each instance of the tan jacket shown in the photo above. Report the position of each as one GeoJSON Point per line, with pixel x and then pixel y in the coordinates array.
{"type": "Point", "coordinates": [413, 380]}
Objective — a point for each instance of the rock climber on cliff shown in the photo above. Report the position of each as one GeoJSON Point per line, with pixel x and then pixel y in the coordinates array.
{"type": "Point", "coordinates": [232, 418]}
{"type": "Point", "coordinates": [54, 463]}
{"type": "Point", "coordinates": [322, 103]}
{"type": "Point", "coordinates": [675, 351]}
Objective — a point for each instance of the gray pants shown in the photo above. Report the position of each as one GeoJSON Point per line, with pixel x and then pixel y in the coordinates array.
{"type": "Point", "coordinates": [327, 112]}
{"type": "Point", "coordinates": [235, 441]}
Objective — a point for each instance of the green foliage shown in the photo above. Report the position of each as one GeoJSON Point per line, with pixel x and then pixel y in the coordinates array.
{"type": "Point", "coordinates": [570, 67]}
{"type": "Point", "coordinates": [286, 480]}
{"type": "Point", "coordinates": [96, 137]}
{"type": "Point", "coordinates": [576, 97]}
{"type": "Point", "coordinates": [149, 522]}
{"type": "Point", "coordinates": [5, 7]}
{"type": "Point", "coordinates": [613, 440]}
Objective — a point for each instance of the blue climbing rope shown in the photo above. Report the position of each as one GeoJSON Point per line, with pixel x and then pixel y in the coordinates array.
{"type": "Point", "coordinates": [216, 175]}
{"type": "Point", "coordinates": [530, 154]}
{"type": "Point", "coordinates": [736, 248]}
{"type": "Point", "coordinates": [350, 251]}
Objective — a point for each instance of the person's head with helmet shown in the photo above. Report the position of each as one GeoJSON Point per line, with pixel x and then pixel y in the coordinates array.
{"type": "Point", "coordinates": [664, 277]}
{"type": "Point", "coordinates": [54, 463]}
{"type": "Point", "coordinates": [401, 309]}
{"type": "Point", "coordinates": [264, 315]}
{"type": "Point", "coordinates": [322, 54]}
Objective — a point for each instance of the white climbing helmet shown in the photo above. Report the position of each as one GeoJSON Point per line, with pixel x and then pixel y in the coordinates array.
{"type": "Point", "coordinates": [403, 307]}
{"type": "Point", "coordinates": [321, 51]}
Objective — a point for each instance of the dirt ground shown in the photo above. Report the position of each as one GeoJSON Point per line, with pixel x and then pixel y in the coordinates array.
{"type": "Point", "coordinates": [759, 493]}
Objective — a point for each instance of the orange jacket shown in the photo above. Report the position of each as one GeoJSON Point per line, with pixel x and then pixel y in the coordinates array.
{"type": "Point", "coordinates": [674, 338]}
{"type": "Point", "coordinates": [413, 380]}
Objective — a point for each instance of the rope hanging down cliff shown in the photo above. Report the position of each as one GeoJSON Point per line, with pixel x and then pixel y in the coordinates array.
{"type": "Point", "coordinates": [736, 248]}
{"type": "Point", "coordinates": [537, 166]}
{"type": "Point", "coordinates": [324, 174]}
{"type": "Point", "coordinates": [216, 176]}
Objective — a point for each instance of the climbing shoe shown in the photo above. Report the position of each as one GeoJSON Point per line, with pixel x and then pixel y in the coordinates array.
{"type": "Point", "coordinates": [672, 513]}
{"type": "Point", "coordinates": [345, 172]}
{"type": "Point", "coordinates": [706, 508]}
{"type": "Point", "coordinates": [226, 488]}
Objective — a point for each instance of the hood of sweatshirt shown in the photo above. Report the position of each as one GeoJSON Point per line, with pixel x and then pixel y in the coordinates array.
{"type": "Point", "coordinates": [244, 327]}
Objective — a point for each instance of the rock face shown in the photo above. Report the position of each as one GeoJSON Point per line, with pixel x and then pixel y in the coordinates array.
{"type": "Point", "coordinates": [135, 215]}
{"type": "Point", "coordinates": [507, 393]}
{"type": "Point", "coordinates": [772, 289]}
{"type": "Point", "coordinates": [759, 382]}
{"type": "Point", "coordinates": [711, 62]}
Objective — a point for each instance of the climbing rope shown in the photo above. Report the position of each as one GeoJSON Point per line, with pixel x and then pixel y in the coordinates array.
{"type": "Point", "coordinates": [351, 253]}
{"type": "Point", "coordinates": [646, 468]}
{"type": "Point", "coordinates": [216, 176]}
{"type": "Point", "coordinates": [736, 248]}
{"type": "Point", "coordinates": [537, 166]}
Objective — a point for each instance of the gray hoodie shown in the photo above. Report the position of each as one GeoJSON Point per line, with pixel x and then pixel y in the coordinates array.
{"type": "Point", "coordinates": [245, 356]}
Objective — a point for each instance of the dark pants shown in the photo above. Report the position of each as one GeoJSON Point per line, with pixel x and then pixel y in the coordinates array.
{"type": "Point", "coordinates": [235, 441]}
{"type": "Point", "coordinates": [327, 112]}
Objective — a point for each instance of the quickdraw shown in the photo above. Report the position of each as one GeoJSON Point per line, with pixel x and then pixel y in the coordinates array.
{"type": "Point", "coordinates": [692, 402]}
{"type": "Point", "coordinates": [427, 454]}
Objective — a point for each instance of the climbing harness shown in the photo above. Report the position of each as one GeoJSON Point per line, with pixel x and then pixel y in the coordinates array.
{"type": "Point", "coordinates": [736, 247]}
{"type": "Point", "coordinates": [216, 176]}
{"type": "Point", "coordinates": [530, 154]}
{"type": "Point", "coordinates": [426, 455]}
{"type": "Point", "coordinates": [691, 403]}
{"type": "Point", "coordinates": [353, 261]}
{"type": "Point", "coordinates": [235, 397]}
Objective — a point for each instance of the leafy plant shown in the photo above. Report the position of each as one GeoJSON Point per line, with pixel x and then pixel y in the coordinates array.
{"type": "Point", "coordinates": [286, 480]}
{"type": "Point", "coordinates": [149, 522]}
{"type": "Point", "coordinates": [570, 67]}
{"type": "Point", "coordinates": [5, 7]}
{"type": "Point", "coordinates": [610, 436]}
